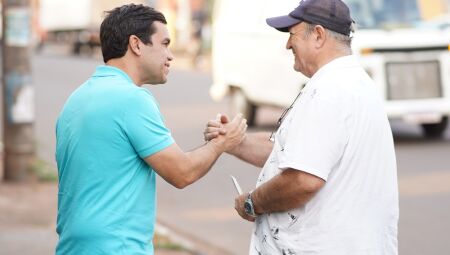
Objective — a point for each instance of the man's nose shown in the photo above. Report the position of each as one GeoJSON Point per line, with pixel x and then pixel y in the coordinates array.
{"type": "Point", "coordinates": [170, 57]}
{"type": "Point", "coordinates": [288, 45]}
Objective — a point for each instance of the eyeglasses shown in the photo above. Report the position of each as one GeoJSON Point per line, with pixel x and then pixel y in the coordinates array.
{"type": "Point", "coordinates": [281, 118]}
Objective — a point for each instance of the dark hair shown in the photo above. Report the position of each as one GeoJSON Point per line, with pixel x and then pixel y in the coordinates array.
{"type": "Point", "coordinates": [124, 21]}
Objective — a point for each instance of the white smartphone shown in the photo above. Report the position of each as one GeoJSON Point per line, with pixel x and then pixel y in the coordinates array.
{"type": "Point", "coordinates": [236, 185]}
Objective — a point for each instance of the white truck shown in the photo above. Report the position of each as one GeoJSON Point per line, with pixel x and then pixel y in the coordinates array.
{"type": "Point", "coordinates": [404, 45]}
{"type": "Point", "coordinates": [76, 22]}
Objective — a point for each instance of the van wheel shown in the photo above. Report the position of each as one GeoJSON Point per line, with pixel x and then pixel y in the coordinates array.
{"type": "Point", "coordinates": [240, 104]}
{"type": "Point", "coordinates": [435, 130]}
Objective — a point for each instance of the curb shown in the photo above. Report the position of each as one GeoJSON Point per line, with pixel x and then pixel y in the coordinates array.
{"type": "Point", "coordinates": [191, 244]}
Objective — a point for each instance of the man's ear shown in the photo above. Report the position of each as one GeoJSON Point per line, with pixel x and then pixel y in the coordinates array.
{"type": "Point", "coordinates": [320, 36]}
{"type": "Point", "coordinates": [134, 43]}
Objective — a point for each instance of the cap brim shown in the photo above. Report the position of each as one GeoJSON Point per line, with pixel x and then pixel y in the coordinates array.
{"type": "Point", "coordinates": [282, 23]}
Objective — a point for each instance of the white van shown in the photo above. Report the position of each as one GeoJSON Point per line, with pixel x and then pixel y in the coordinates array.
{"type": "Point", "coordinates": [404, 45]}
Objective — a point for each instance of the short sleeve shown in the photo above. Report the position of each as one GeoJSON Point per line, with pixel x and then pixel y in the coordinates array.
{"type": "Point", "coordinates": [144, 125]}
{"type": "Point", "coordinates": [316, 137]}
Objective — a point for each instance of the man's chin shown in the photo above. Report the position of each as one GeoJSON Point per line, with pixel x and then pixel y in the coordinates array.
{"type": "Point", "coordinates": [298, 70]}
{"type": "Point", "coordinates": [159, 81]}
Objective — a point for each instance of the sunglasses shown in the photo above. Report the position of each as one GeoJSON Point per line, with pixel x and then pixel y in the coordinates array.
{"type": "Point", "coordinates": [281, 118]}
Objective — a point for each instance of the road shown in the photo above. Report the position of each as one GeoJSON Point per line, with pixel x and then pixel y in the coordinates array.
{"type": "Point", "coordinates": [205, 209]}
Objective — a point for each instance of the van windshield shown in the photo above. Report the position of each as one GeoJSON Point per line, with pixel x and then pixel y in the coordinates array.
{"type": "Point", "coordinates": [388, 14]}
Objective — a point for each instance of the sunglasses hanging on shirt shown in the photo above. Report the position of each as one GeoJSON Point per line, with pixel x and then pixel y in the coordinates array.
{"type": "Point", "coordinates": [283, 114]}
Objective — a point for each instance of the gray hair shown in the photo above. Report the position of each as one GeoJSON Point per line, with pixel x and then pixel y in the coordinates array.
{"type": "Point", "coordinates": [343, 40]}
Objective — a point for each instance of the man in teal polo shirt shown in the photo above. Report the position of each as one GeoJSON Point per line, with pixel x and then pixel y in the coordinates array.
{"type": "Point", "coordinates": [111, 141]}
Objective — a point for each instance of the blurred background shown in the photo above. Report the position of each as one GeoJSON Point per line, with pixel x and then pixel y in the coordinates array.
{"type": "Point", "coordinates": [227, 60]}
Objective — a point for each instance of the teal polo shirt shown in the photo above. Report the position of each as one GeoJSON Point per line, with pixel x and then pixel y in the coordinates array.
{"type": "Point", "coordinates": [106, 198]}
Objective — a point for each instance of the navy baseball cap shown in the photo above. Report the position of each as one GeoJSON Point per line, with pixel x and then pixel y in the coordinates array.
{"type": "Point", "coordinates": [331, 14]}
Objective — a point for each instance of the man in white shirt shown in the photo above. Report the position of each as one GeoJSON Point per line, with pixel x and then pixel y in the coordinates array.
{"type": "Point", "coordinates": [328, 183]}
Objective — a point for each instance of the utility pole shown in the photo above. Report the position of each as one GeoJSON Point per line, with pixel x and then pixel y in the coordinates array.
{"type": "Point", "coordinates": [18, 93]}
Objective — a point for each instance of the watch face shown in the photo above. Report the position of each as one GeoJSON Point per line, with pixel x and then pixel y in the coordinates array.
{"type": "Point", "coordinates": [248, 208]}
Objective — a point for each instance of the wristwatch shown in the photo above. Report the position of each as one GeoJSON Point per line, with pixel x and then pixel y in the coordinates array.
{"type": "Point", "coordinates": [248, 206]}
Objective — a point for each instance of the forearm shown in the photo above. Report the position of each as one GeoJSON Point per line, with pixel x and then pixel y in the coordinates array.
{"type": "Point", "coordinates": [201, 160]}
{"type": "Point", "coordinates": [181, 169]}
{"type": "Point", "coordinates": [254, 149]}
{"type": "Point", "coordinates": [288, 190]}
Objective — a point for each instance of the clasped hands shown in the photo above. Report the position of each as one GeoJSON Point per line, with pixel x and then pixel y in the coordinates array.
{"type": "Point", "coordinates": [233, 131]}
{"type": "Point", "coordinates": [230, 133]}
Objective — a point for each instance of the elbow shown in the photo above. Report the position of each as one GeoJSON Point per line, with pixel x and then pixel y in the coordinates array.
{"type": "Point", "coordinates": [180, 185]}
{"type": "Point", "coordinates": [308, 183]}
{"type": "Point", "coordinates": [183, 173]}
{"type": "Point", "coordinates": [307, 188]}
{"type": "Point", "coordinates": [310, 189]}
{"type": "Point", "coordinates": [313, 185]}
{"type": "Point", "coordinates": [184, 180]}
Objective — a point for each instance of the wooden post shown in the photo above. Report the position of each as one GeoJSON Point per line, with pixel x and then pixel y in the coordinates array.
{"type": "Point", "coordinates": [18, 92]}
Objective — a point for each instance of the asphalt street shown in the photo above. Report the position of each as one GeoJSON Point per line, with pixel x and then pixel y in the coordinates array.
{"type": "Point", "coordinates": [205, 209]}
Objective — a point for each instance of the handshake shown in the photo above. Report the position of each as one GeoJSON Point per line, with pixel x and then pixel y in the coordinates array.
{"type": "Point", "coordinates": [225, 133]}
